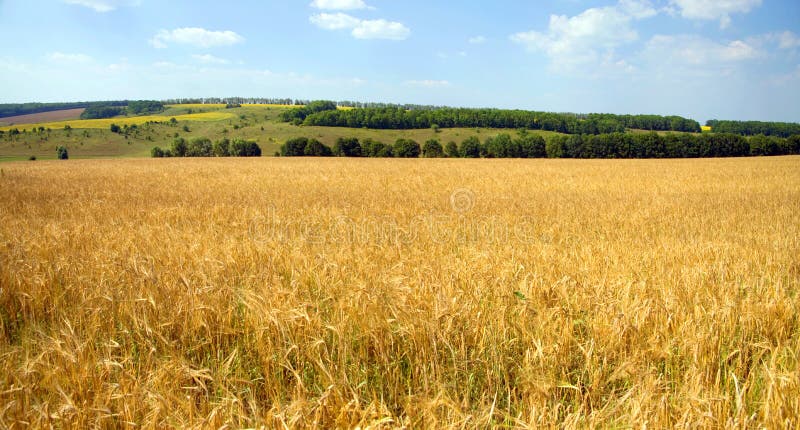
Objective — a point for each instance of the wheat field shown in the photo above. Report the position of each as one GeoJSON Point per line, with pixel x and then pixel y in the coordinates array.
{"type": "Point", "coordinates": [388, 293]}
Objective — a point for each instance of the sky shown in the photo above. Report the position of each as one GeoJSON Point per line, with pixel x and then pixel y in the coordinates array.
{"type": "Point", "coordinates": [703, 59]}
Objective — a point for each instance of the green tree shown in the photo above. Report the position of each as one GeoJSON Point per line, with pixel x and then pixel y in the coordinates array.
{"type": "Point", "coordinates": [199, 147]}
{"type": "Point", "coordinates": [115, 128]}
{"type": "Point", "coordinates": [61, 153]}
{"type": "Point", "coordinates": [157, 152]}
{"type": "Point", "coordinates": [406, 148]}
{"type": "Point", "coordinates": [530, 146]}
{"type": "Point", "coordinates": [451, 150]}
{"type": "Point", "coordinates": [432, 149]}
{"type": "Point", "coordinates": [347, 147]}
{"type": "Point", "coordinates": [295, 147]}
{"type": "Point", "coordinates": [315, 148]}
{"type": "Point", "coordinates": [245, 148]}
{"type": "Point", "coordinates": [221, 148]}
{"type": "Point", "coordinates": [470, 147]}
{"type": "Point", "coordinates": [178, 148]}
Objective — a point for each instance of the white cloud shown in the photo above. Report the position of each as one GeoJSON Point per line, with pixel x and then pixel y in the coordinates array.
{"type": "Point", "coordinates": [690, 50]}
{"type": "Point", "coordinates": [361, 29]}
{"type": "Point", "coordinates": [428, 83]}
{"type": "Point", "coordinates": [103, 6]}
{"type": "Point", "coordinates": [381, 29]}
{"type": "Point", "coordinates": [209, 59]}
{"type": "Point", "coordinates": [339, 4]}
{"type": "Point", "coordinates": [476, 40]}
{"type": "Point", "coordinates": [68, 58]}
{"type": "Point", "coordinates": [199, 37]}
{"type": "Point", "coordinates": [714, 9]}
{"type": "Point", "coordinates": [638, 9]}
{"type": "Point", "coordinates": [788, 40]}
{"type": "Point", "coordinates": [334, 21]}
{"type": "Point", "coordinates": [571, 41]}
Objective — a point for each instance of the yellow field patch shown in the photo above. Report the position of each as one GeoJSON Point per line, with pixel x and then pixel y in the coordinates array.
{"type": "Point", "coordinates": [197, 105]}
{"type": "Point", "coordinates": [705, 128]}
{"type": "Point", "coordinates": [135, 120]}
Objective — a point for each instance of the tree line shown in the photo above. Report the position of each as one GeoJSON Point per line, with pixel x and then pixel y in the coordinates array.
{"type": "Point", "coordinates": [752, 128]}
{"type": "Point", "coordinates": [203, 147]}
{"type": "Point", "coordinates": [110, 110]}
{"type": "Point", "coordinates": [399, 118]}
{"type": "Point", "coordinates": [529, 145]}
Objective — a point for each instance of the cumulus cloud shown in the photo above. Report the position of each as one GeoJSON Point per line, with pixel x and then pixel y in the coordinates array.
{"type": "Point", "coordinates": [571, 41]}
{"type": "Point", "coordinates": [691, 50]}
{"type": "Point", "coordinates": [361, 29]}
{"type": "Point", "coordinates": [103, 5]}
{"type": "Point", "coordinates": [209, 59]}
{"type": "Point", "coordinates": [788, 40]}
{"type": "Point", "coordinates": [476, 40]}
{"type": "Point", "coordinates": [194, 36]}
{"type": "Point", "coordinates": [381, 29]}
{"type": "Point", "coordinates": [339, 4]}
{"type": "Point", "coordinates": [334, 21]}
{"type": "Point", "coordinates": [714, 9]}
{"type": "Point", "coordinates": [428, 83]}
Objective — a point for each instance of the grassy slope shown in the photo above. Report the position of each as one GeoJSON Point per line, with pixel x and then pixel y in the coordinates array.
{"type": "Point", "coordinates": [259, 123]}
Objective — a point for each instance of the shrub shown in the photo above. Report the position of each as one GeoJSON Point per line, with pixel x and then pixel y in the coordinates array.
{"type": "Point", "coordinates": [157, 152]}
{"type": "Point", "coordinates": [61, 153]}
{"type": "Point", "coordinates": [531, 146]}
{"type": "Point", "coordinates": [314, 148]}
{"type": "Point", "coordinates": [179, 147]}
{"type": "Point", "coordinates": [406, 148]}
{"type": "Point", "coordinates": [347, 147]}
{"type": "Point", "coordinates": [451, 150]}
{"type": "Point", "coordinates": [199, 147]}
{"type": "Point", "coordinates": [471, 147]}
{"type": "Point", "coordinates": [554, 147]}
{"type": "Point", "coordinates": [32, 158]}
{"type": "Point", "coordinates": [432, 149]}
{"type": "Point", "coordinates": [295, 147]}
{"type": "Point", "coordinates": [245, 148]}
{"type": "Point", "coordinates": [221, 148]}
{"type": "Point", "coordinates": [373, 148]}
{"type": "Point", "coordinates": [501, 146]}
{"type": "Point", "coordinates": [115, 128]}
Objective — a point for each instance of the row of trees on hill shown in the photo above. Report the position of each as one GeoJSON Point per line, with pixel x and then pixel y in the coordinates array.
{"type": "Point", "coordinates": [752, 128]}
{"type": "Point", "coordinates": [399, 118]}
{"type": "Point", "coordinates": [528, 145]}
{"type": "Point", "coordinates": [102, 110]}
{"type": "Point", "coordinates": [297, 115]}
{"type": "Point", "coordinates": [203, 147]}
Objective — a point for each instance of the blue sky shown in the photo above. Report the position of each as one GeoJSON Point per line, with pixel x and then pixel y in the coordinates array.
{"type": "Point", "coordinates": [727, 59]}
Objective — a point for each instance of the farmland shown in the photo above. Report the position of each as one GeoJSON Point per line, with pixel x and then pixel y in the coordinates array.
{"type": "Point", "coordinates": [43, 117]}
{"type": "Point", "coordinates": [92, 138]}
{"type": "Point", "coordinates": [423, 293]}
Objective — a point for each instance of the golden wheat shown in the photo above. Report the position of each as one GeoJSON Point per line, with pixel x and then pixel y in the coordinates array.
{"type": "Point", "coordinates": [388, 293]}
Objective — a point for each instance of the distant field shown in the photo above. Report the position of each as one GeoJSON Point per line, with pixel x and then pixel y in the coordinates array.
{"type": "Point", "coordinates": [92, 138]}
{"type": "Point", "coordinates": [58, 115]}
{"type": "Point", "coordinates": [138, 120]}
{"type": "Point", "coordinates": [399, 293]}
